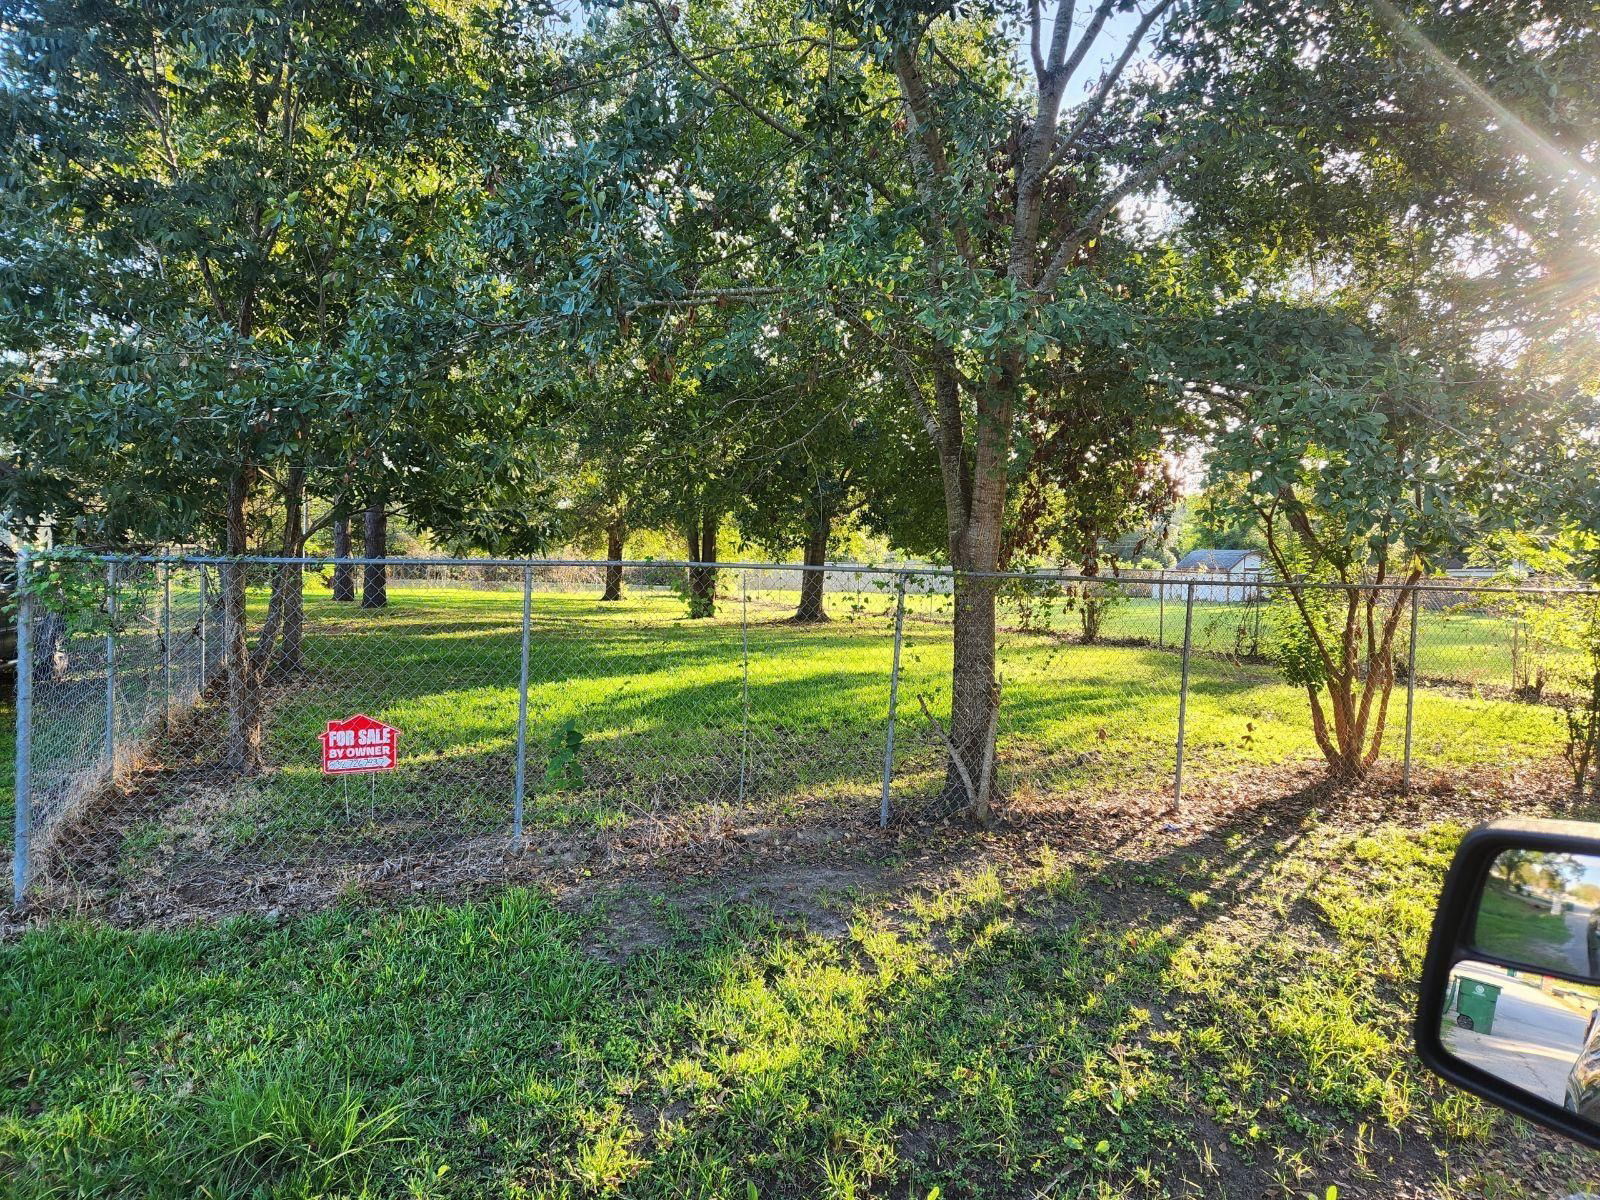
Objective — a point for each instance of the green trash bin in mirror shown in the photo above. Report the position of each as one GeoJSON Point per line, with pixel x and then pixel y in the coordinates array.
{"type": "Point", "coordinates": [1475, 1001]}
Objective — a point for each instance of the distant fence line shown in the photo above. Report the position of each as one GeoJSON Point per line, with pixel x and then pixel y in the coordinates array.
{"type": "Point", "coordinates": [105, 694]}
{"type": "Point", "coordinates": [1118, 576]}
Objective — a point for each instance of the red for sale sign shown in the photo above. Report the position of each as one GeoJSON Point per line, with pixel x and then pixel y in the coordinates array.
{"type": "Point", "coordinates": [359, 744]}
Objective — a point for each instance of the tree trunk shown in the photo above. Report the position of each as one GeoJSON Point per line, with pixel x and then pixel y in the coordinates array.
{"type": "Point", "coordinates": [691, 540]}
{"type": "Point", "coordinates": [289, 659]}
{"type": "Point", "coordinates": [974, 696]}
{"type": "Point", "coordinates": [703, 579]}
{"type": "Point", "coordinates": [278, 647]}
{"type": "Point", "coordinates": [243, 754]}
{"type": "Point", "coordinates": [50, 660]}
{"type": "Point", "coordinates": [344, 575]}
{"type": "Point", "coordinates": [375, 576]}
{"type": "Point", "coordinates": [1583, 734]}
{"type": "Point", "coordinates": [975, 501]}
{"type": "Point", "coordinates": [291, 582]}
{"type": "Point", "coordinates": [812, 582]}
{"type": "Point", "coordinates": [1357, 698]}
{"type": "Point", "coordinates": [614, 535]}
{"type": "Point", "coordinates": [974, 482]}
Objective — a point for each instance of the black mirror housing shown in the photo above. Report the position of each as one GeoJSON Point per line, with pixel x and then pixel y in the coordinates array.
{"type": "Point", "coordinates": [1455, 940]}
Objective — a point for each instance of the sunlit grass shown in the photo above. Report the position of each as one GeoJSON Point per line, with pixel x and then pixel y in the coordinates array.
{"type": "Point", "coordinates": [1006, 1031]}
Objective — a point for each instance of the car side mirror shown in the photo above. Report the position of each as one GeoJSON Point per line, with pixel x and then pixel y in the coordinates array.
{"type": "Point", "coordinates": [1510, 999]}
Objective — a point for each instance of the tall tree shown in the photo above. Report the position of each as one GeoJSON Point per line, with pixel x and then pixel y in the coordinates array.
{"type": "Point", "coordinates": [1432, 373]}
{"type": "Point", "coordinates": [609, 473]}
{"type": "Point", "coordinates": [964, 224]}
{"type": "Point", "coordinates": [210, 205]}
{"type": "Point", "coordinates": [989, 227]}
{"type": "Point", "coordinates": [1362, 464]}
{"type": "Point", "coordinates": [823, 449]}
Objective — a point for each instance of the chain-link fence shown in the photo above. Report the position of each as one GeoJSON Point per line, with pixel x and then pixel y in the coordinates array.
{"type": "Point", "coordinates": [108, 658]}
{"type": "Point", "coordinates": [193, 724]}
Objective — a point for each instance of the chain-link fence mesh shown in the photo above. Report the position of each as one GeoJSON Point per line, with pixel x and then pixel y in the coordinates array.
{"type": "Point", "coordinates": [535, 697]}
{"type": "Point", "coordinates": [114, 653]}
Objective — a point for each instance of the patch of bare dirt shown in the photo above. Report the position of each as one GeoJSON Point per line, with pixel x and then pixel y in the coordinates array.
{"type": "Point", "coordinates": [187, 872]}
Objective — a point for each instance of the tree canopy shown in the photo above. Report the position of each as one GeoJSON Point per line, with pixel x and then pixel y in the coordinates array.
{"type": "Point", "coordinates": [984, 275]}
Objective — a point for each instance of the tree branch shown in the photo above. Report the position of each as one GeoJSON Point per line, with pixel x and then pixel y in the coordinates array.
{"type": "Point", "coordinates": [927, 146]}
{"type": "Point", "coordinates": [1035, 19]}
{"type": "Point", "coordinates": [770, 119]}
{"type": "Point", "coordinates": [1268, 516]}
{"type": "Point", "coordinates": [1060, 36]}
{"type": "Point", "coordinates": [1075, 240]}
{"type": "Point", "coordinates": [1064, 70]}
{"type": "Point", "coordinates": [1093, 106]}
{"type": "Point", "coordinates": [717, 296]}
{"type": "Point", "coordinates": [919, 398]}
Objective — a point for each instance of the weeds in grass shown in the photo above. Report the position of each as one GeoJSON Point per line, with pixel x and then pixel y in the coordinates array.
{"type": "Point", "coordinates": [297, 1134]}
{"type": "Point", "coordinates": [1055, 877]}
{"type": "Point", "coordinates": [606, 1160]}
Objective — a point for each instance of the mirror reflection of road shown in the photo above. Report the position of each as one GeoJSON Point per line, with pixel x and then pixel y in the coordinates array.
{"type": "Point", "coordinates": [1536, 1036]}
{"type": "Point", "coordinates": [1577, 944]}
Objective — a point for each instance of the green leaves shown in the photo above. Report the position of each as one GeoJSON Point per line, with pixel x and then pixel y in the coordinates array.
{"type": "Point", "coordinates": [563, 771]}
{"type": "Point", "coordinates": [239, 243]}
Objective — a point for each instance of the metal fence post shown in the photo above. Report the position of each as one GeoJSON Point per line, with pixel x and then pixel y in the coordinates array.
{"type": "Point", "coordinates": [744, 719]}
{"type": "Point", "coordinates": [111, 671]}
{"type": "Point", "coordinates": [205, 602]}
{"type": "Point", "coordinates": [894, 701]}
{"type": "Point", "coordinates": [1183, 692]}
{"type": "Point", "coordinates": [522, 708]}
{"type": "Point", "coordinates": [166, 647]}
{"type": "Point", "coordinates": [1411, 691]}
{"type": "Point", "coordinates": [1256, 598]}
{"type": "Point", "coordinates": [1161, 611]}
{"type": "Point", "coordinates": [23, 822]}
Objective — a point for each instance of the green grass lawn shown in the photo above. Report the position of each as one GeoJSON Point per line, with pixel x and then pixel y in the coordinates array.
{"type": "Point", "coordinates": [1226, 1020]}
{"type": "Point", "coordinates": [1470, 648]}
{"type": "Point", "coordinates": [659, 702]}
{"type": "Point", "coordinates": [1522, 929]}
{"type": "Point", "coordinates": [1212, 1018]}
{"type": "Point", "coordinates": [643, 683]}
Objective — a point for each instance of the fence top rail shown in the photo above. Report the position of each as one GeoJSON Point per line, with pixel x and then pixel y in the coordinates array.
{"type": "Point", "coordinates": [1132, 575]}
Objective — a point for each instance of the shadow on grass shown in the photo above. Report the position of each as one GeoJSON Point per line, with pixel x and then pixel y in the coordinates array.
{"type": "Point", "coordinates": [1066, 1033]}
{"type": "Point", "coordinates": [362, 1052]}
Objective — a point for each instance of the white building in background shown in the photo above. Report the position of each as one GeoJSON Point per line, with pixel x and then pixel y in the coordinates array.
{"type": "Point", "coordinates": [1457, 568]}
{"type": "Point", "coordinates": [1219, 576]}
